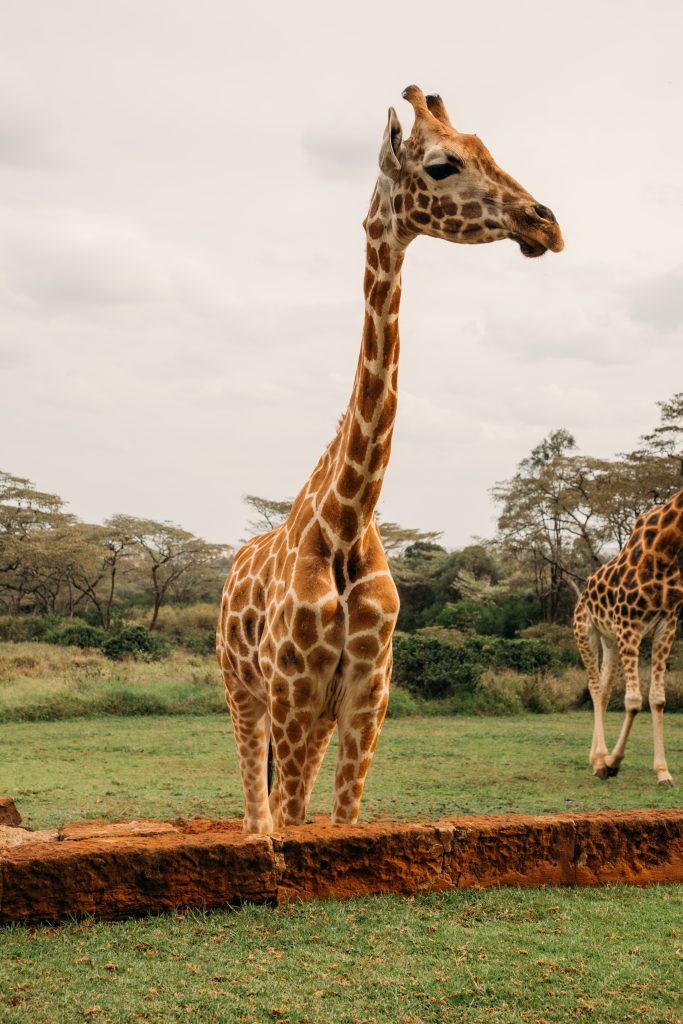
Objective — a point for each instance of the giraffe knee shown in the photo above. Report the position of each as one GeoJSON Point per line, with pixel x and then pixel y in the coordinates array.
{"type": "Point", "coordinates": [633, 702]}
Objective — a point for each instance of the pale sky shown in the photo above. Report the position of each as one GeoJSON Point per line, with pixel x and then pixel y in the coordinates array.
{"type": "Point", "coordinates": [182, 186]}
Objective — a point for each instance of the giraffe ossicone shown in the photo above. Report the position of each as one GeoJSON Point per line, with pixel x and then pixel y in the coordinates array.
{"type": "Point", "coordinates": [637, 593]}
{"type": "Point", "coordinates": [309, 609]}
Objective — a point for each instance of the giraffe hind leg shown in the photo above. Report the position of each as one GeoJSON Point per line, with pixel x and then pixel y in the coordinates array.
{"type": "Point", "coordinates": [661, 648]}
{"type": "Point", "coordinates": [251, 726]}
{"type": "Point", "coordinates": [629, 645]}
{"type": "Point", "coordinates": [588, 643]}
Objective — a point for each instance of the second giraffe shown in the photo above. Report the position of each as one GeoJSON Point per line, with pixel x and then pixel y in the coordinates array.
{"type": "Point", "coordinates": [637, 593]}
{"type": "Point", "coordinates": [309, 609]}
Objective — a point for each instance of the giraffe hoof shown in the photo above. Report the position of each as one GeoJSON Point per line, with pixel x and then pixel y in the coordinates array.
{"type": "Point", "coordinates": [601, 773]}
{"type": "Point", "coordinates": [612, 770]}
{"type": "Point", "coordinates": [666, 782]}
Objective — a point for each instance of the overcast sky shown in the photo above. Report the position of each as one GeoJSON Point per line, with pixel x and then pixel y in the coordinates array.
{"type": "Point", "coordinates": [181, 251]}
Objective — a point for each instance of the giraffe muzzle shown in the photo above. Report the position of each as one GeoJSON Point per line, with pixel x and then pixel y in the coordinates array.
{"type": "Point", "coordinates": [536, 230]}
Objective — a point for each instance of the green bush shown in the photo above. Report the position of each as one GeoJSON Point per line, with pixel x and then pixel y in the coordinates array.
{"type": "Point", "coordinates": [135, 642]}
{"type": "Point", "coordinates": [519, 655]}
{"type": "Point", "coordinates": [20, 628]}
{"type": "Point", "coordinates": [432, 668]}
{"type": "Point", "coordinates": [79, 635]}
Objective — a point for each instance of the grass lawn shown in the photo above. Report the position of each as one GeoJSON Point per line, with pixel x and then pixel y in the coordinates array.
{"type": "Point", "coordinates": [504, 956]}
{"type": "Point", "coordinates": [171, 766]}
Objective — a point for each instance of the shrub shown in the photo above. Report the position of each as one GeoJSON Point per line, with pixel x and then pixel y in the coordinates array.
{"type": "Point", "coordinates": [401, 704]}
{"type": "Point", "coordinates": [519, 655]}
{"type": "Point", "coordinates": [560, 638]}
{"type": "Point", "coordinates": [430, 668]}
{"type": "Point", "coordinates": [135, 642]}
{"type": "Point", "coordinates": [79, 635]}
{"type": "Point", "coordinates": [19, 628]}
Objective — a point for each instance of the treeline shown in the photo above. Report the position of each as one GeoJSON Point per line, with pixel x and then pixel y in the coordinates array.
{"type": "Point", "coordinates": [561, 514]}
{"type": "Point", "coordinates": [52, 564]}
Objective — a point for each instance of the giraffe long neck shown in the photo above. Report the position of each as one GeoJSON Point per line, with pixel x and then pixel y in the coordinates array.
{"type": "Point", "coordinates": [360, 452]}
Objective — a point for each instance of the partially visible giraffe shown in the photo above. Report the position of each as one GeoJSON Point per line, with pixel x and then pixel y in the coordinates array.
{"type": "Point", "coordinates": [635, 594]}
{"type": "Point", "coordinates": [308, 611]}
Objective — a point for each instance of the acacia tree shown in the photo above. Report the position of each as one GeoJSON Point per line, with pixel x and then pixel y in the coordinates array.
{"type": "Point", "coordinates": [269, 513]}
{"type": "Point", "coordinates": [27, 516]}
{"type": "Point", "coordinates": [164, 551]}
{"type": "Point", "coordinates": [550, 520]}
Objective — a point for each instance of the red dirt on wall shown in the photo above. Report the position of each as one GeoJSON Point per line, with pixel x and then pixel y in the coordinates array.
{"type": "Point", "coordinates": [117, 870]}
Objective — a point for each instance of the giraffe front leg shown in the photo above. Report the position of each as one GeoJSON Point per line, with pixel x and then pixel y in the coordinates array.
{"type": "Point", "coordinates": [661, 648]}
{"type": "Point", "coordinates": [360, 720]}
{"type": "Point", "coordinates": [629, 645]}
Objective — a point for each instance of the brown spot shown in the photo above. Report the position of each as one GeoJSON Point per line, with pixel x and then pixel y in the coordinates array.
{"type": "Point", "coordinates": [376, 229]}
{"type": "Point", "coordinates": [419, 218]}
{"type": "Point", "coordinates": [492, 224]}
{"type": "Point", "coordinates": [321, 660]}
{"type": "Point", "coordinates": [378, 295]}
{"type": "Point", "coordinates": [379, 458]}
{"type": "Point", "coordinates": [452, 225]}
{"type": "Point", "coordinates": [423, 200]}
{"type": "Point", "coordinates": [398, 204]}
{"type": "Point", "coordinates": [358, 443]}
{"type": "Point", "coordinates": [395, 300]}
{"type": "Point", "coordinates": [390, 352]}
{"type": "Point", "coordinates": [239, 598]}
{"type": "Point", "coordinates": [341, 518]}
{"type": "Point", "coordinates": [368, 280]}
{"type": "Point", "coordinates": [366, 647]}
{"type": "Point", "coordinates": [363, 617]}
{"type": "Point", "coordinates": [372, 388]}
{"type": "Point", "coordinates": [370, 338]}
{"type": "Point", "coordinates": [472, 210]}
{"type": "Point", "coordinates": [289, 659]}
{"type": "Point", "coordinates": [409, 203]}
{"type": "Point", "coordinates": [472, 229]}
{"type": "Point", "coordinates": [349, 482]}
{"type": "Point", "coordinates": [388, 414]}
{"type": "Point", "coordinates": [371, 256]}
{"type": "Point", "coordinates": [422, 184]}
{"type": "Point", "coordinates": [449, 207]}
{"type": "Point", "coordinates": [370, 495]}
{"type": "Point", "coordinates": [339, 578]}
{"type": "Point", "coordinates": [385, 257]}
{"type": "Point", "coordinates": [305, 628]}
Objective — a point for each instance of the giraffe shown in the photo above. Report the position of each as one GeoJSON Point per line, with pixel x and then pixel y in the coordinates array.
{"type": "Point", "coordinates": [635, 594]}
{"type": "Point", "coordinates": [308, 610]}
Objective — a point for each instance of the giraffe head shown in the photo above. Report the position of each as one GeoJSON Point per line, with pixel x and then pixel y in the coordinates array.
{"type": "Point", "coordinates": [446, 184]}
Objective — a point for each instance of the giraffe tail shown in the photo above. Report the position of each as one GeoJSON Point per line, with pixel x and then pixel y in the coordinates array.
{"type": "Point", "coordinates": [271, 767]}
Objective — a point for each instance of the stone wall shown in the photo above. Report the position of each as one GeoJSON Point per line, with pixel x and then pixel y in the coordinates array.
{"type": "Point", "coordinates": [118, 870]}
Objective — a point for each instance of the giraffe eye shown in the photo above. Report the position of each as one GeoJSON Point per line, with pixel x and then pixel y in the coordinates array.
{"type": "Point", "coordinates": [444, 170]}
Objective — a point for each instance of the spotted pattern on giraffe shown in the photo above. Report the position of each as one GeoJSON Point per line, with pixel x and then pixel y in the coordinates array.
{"type": "Point", "coordinates": [637, 593]}
{"type": "Point", "coordinates": [309, 609]}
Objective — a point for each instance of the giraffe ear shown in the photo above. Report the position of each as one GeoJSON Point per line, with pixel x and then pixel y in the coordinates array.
{"type": "Point", "coordinates": [436, 108]}
{"type": "Point", "coordinates": [392, 152]}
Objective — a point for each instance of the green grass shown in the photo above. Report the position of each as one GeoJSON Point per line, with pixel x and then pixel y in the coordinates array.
{"type": "Point", "coordinates": [167, 767]}
{"type": "Point", "coordinates": [42, 682]}
{"type": "Point", "coordinates": [610, 955]}
{"type": "Point", "coordinates": [504, 956]}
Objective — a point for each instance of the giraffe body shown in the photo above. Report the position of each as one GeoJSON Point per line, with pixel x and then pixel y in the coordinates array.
{"type": "Point", "coordinates": [309, 609]}
{"type": "Point", "coordinates": [637, 593]}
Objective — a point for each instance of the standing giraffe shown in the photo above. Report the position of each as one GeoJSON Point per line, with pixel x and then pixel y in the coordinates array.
{"type": "Point", "coordinates": [636, 594]}
{"type": "Point", "coordinates": [308, 611]}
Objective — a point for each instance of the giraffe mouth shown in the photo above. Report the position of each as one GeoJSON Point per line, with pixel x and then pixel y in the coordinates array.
{"type": "Point", "coordinates": [530, 249]}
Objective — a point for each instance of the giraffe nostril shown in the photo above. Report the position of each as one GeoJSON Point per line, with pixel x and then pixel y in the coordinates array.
{"type": "Point", "coordinates": [545, 214]}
